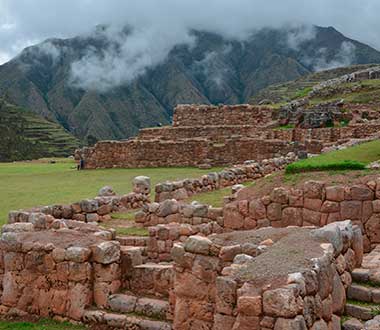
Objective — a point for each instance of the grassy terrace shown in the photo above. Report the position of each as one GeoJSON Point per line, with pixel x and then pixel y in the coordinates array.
{"type": "Point", "coordinates": [28, 184]}
{"type": "Point", "coordinates": [351, 158]}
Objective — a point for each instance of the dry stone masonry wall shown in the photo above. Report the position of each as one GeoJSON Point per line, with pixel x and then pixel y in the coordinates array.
{"type": "Point", "coordinates": [98, 209]}
{"type": "Point", "coordinates": [221, 286]}
{"type": "Point", "coordinates": [225, 135]}
{"type": "Point", "coordinates": [313, 204]}
{"type": "Point", "coordinates": [251, 170]}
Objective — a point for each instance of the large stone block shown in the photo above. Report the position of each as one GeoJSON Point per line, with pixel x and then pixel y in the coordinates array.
{"type": "Point", "coordinates": [106, 252]}
{"type": "Point", "coordinates": [141, 185]}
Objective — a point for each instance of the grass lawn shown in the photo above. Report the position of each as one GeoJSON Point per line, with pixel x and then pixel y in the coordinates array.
{"type": "Point", "coordinates": [28, 184]}
{"type": "Point", "coordinates": [214, 198]}
{"type": "Point", "coordinates": [364, 153]}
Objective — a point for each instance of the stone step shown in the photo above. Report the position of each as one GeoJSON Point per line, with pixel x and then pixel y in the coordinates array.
{"type": "Point", "coordinates": [352, 324]}
{"type": "Point", "coordinates": [360, 312]}
{"type": "Point", "coordinates": [132, 240]}
{"type": "Point", "coordinates": [124, 321]}
{"type": "Point", "coordinates": [150, 279]}
{"type": "Point", "coordinates": [127, 303]}
{"type": "Point", "coordinates": [363, 293]}
{"type": "Point", "coordinates": [360, 275]}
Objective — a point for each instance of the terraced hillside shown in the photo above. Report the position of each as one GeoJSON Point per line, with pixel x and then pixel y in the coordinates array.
{"type": "Point", "coordinates": [282, 93]}
{"type": "Point", "coordinates": [26, 135]}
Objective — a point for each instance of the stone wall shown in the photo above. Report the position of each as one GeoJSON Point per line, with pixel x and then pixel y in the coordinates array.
{"type": "Point", "coordinates": [186, 152]}
{"type": "Point", "coordinates": [252, 170]}
{"type": "Point", "coordinates": [59, 273]}
{"type": "Point", "coordinates": [212, 132]}
{"type": "Point", "coordinates": [209, 115]}
{"type": "Point", "coordinates": [220, 136]}
{"type": "Point", "coordinates": [98, 209]}
{"type": "Point", "coordinates": [324, 135]}
{"type": "Point", "coordinates": [220, 286]}
{"type": "Point", "coordinates": [313, 204]}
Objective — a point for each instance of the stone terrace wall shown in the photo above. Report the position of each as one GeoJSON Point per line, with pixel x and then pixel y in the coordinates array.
{"type": "Point", "coordinates": [57, 273]}
{"type": "Point", "coordinates": [214, 133]}
{"type": "Point", "coordinates": [190, 152]}
{"type": "Point", "coordinates": [314, 204]}
{"type": "Point", "coordinates": [212, 293]}
{"type": "Point", "coordinates": [209, 115]}
{"type": "Point", "coordinates": [324, 135]}
{"type": "Point", "coordinates": [183, 189]}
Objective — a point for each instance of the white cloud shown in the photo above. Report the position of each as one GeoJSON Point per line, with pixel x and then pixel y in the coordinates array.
{"type": "Point", "coordinates": [320, 61]}
{"type": "Point", "coordinates": [158, 25]}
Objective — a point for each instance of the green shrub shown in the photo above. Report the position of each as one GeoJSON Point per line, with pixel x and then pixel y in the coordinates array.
{"type": "Point", "coordinates": [305, 166]}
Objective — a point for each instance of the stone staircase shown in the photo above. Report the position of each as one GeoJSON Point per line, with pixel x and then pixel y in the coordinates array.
{"type": "Point", "coordinates": [143, 303]}
{"type": "Point", "coordinates": [363, 295]}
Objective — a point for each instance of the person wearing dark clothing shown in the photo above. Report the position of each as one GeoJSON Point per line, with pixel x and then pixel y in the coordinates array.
{"type": "Point", "coordinates": [80, 164]}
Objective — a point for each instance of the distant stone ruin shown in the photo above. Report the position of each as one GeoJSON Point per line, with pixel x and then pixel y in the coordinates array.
{"type": "Point", "coordinates": [204, 136]}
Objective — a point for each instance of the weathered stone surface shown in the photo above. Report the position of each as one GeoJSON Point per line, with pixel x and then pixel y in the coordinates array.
{"type": "Point", "coordinates": [77, 254]}
{"type": "Point", "coordinates": [297, 323]}
{"type": "Point", "coordinates": [106, 252]}
{"type": "Point", "coordinates": [281, 303]}
{"type": "Point", "coordinates": [198, 244]}
{"type": "Point", "coordinates": [352, 324]}
{"type": "Point", "coordinates": [106, 192]}
{"type": "Point", "coordinates": [89, 205]}
{"type": "Point", "coordinates": [335, 193]}
{"type": "Point", "coordinates": [332, 234]}
{"type": "Point", "coordinates": [338, 295]}
{"type": "Point", "coordinates": [141, 185]}
{"type": "Point", "coordinates": [359, 292]}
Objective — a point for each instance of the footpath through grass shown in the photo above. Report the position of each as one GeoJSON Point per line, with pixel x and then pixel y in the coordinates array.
{"type": "Point", "coordinates": [28, 184]}
{"type": "Point", "coordinates": [354, 158]}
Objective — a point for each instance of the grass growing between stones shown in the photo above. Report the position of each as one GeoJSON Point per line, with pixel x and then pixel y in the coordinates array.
{"type": "Point", "coordinates": [128, 216]}
{"type": "Point", "coordinates": [354, 158]}
{"type": "Point", "coordinates": [41, 325]}
{"type": "Point", "coordinates": [28, 184]}
{"type": "Point", "coordinates": [132, 231]}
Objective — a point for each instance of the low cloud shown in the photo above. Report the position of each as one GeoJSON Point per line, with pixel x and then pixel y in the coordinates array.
{"type": "Point", "coordinates": [345, 57]}
{"type": "Point", "coordinates": [128, 55]}
{"type": "Point", "coordinates": [157, 26]}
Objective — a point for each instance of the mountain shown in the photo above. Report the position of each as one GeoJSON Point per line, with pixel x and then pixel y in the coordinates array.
{"type": "Point", "coordinates": [213, 70]}
{"type": "Point", "coordinates": [26, 135]}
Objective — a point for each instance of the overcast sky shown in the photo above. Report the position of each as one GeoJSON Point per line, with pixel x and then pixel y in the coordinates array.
{"type": "Point", "coordinates": [25, 22]}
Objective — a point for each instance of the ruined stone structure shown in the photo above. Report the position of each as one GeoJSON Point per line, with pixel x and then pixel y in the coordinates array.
{"type": "Point", "coordinates": [278, 261]}
{"type": "Point", "coordinates": [226, 135]}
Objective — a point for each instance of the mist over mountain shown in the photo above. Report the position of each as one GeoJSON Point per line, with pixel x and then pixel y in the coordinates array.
{"type": "Point", "coordinates": [109, 83]}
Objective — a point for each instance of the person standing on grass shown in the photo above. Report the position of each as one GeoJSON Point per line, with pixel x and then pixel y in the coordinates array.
{"type": "Point", "coordinates": [80, 165]}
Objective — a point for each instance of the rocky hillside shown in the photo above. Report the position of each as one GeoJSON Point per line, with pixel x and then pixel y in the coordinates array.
{"type": "Point", "coordinates": [25, 135]}
{"type": "Point", "coordinates": [214, 70]}
{"type": "Point", "coordinates": [298, 88]}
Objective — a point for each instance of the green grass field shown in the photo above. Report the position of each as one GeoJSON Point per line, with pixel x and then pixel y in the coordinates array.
{"type": "Point", "coordinates": [28, 184]}
{"type": "Point", "coordinates": [364, 153]}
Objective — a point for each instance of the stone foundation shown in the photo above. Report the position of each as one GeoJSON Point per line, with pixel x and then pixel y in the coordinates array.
{"type": "Point", "coordinates": [220, 286]}
{"type": "Point", "coordinates": [57, 273]}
